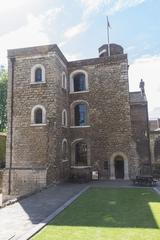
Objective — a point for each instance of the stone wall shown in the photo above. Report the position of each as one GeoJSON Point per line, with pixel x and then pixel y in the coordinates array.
{"type": "Point", "coordinates": [34, 147]}
{"type": "Point", "coordinates": [109, 129]}
{"type": "Point", "coordinates": [155, 146]}
{"type": "Point", "coordinates": [139, 118]}
{"type": "Point", "coordinates": [24, 181]}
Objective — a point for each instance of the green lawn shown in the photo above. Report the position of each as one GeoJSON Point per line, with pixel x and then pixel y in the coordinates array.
{"type": "Point", "coordinates": [108, 214]}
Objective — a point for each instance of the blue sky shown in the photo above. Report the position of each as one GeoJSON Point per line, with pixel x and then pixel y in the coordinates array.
{"type": "Point", "coordinates": [79, 29]}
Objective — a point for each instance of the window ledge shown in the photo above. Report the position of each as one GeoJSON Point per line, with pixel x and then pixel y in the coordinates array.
{"type": "Point", "coordinates": [38, 124]}
{"type": "Point", "coordinates": [37, 83]}
{"type": "Point", "coordinates": [86, 91]}
{"type": "Point", "coordinates": [86, 126]}
{"type": "Point", "coordinates": [65, 160]}
{"type": "Point", "coordinates": [80, 167]}
{"type": "Point", "coordinates": [64, 126]}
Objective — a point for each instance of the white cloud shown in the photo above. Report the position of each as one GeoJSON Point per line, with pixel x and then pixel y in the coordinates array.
{"type": "Point", "coordinates": [76, 30]}
{"type": "Point", "coordinates": [110, 6]}
{"type": "Point", "coordinates": [31, 34]}
{"type": "Point", "coordinates": [73, 56]}
{"type": "Point", "coordinates": [11, 5]}
{"type": "Point", "coordinates": [119, 5]}
{"type": "Point", "coordinates": [92, 5]}
{"type": "Point", "coordinates": [147, 68]}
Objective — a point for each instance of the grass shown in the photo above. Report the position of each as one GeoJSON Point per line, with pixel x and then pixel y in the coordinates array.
{"type": "Point", "coordinates": [108, 214]}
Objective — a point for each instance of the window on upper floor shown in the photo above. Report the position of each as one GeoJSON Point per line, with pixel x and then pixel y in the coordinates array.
{"type": "Point", "coordinates": [78, 81]}
{"type": "Point", "coordinates": [80, 114]}
{"type": "Point", "coordinates": [38, 74]}
{"type": "Point", "coordinates": [64, 118]}
{"type": "Point", "coordinates": [38, 115]}
{"type": "Point", "coordinates": [64, 149]}
{"type": "Point", "coordinates": [64, 81]}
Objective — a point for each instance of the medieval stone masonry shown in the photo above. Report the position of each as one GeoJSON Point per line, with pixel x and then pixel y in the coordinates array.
{"type": "Point", "coordinates": [67, 118]}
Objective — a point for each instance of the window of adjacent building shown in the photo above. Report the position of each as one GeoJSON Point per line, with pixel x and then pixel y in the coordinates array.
{"type": "Point", "coordinates": [64, 118]}
{"type": "Point", "coordinates": [38, 115]}
{"type": "Point", "coordinates": [38, 74]}
{"type": "Point", "coordinates": [64, 149]}
{"type": "Point", "coordinates": [80, 114]}
{"type": "Point", "coordinates": [79, 82]}
{"type": "Point", "coordinates": [81, 154]}
{"type": "Point", "coordinates": [64, 81]}
{"type": "Point", "coordinates": [157, 149]}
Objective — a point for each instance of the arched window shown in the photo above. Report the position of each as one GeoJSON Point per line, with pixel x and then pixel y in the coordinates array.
{"type": "Point", "coordinates": [38, 74]}
{"type": "Point", "coordinates": [38, 115]}
{"type": "Point", "coordinates": [64, 118]}
{"type": "Point", "coordinates": [64, 81]}
{"type": "Point", "coordinates": [78, 81]}
{"type": "Point", "coordinates": [80, 114]}
{"type": "Point", "coordinates": [81, 154]}
{"type": "Point", "coordinates": [64, 149]}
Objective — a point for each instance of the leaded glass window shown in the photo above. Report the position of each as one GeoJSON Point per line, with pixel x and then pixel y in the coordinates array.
{"type": "Point", "coordinates": [79, 82]}
{"type": "Point", "coordinates": [80, 115]}
{"type": "Point", "coordinates": [38, 75]}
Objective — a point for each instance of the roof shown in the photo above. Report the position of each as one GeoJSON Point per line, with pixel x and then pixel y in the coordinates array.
{"type": "Point", "coordinates": [31, 51]}
{"type": "Point", "coordinates": [53, 48]}
{"type": "Point", "coordinates": [137, 98]}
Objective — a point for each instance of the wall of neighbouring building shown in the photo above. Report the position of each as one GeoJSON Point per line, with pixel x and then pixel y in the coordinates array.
{"type": "Point", "coordinates": [2, 156]}
{"type": "Point", "coordinates": [2, 149]}
{"type": "Point", "coordinates": [139, 120]}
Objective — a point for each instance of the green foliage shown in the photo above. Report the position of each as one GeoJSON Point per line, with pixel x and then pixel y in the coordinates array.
{"type": "Point", "coordinates": [108, 213]}
{"type": "Point", "coordinates": [3, 99]}
{"type": "Point", "coordinates": [2, 150]}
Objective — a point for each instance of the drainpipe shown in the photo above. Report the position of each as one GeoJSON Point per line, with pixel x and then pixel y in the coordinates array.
{"type": "Point", "coordinates": [12, 59]}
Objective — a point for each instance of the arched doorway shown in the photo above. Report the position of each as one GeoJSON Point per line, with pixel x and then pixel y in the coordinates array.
{"type": "Point", "coordinates": [119, 167]}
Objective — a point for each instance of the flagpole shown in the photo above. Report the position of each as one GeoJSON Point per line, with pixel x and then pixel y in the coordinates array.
{"type": "Point", "coordinates": [108, 26]}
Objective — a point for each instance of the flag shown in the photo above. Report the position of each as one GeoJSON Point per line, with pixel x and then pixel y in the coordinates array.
{"type": "Point", "coordinates": [108, 27]}
{"type": "Point", "coordinates": [108, 23]}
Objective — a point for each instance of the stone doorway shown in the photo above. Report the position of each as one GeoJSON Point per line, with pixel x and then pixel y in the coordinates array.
{"type": "Point", "coordinates": [119, 167]}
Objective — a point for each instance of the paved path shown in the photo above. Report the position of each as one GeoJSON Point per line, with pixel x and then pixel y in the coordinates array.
{"type": "Point", "coordinates": [21, 217]}
{"type": "Point", "coordinates": [17, 219]}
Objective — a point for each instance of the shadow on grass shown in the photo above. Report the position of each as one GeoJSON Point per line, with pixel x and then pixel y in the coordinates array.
{"type": "Point", "coordinates": [124, 208]}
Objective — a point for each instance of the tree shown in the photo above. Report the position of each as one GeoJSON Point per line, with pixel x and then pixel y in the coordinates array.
{"type": "Point", "coordinates": [3, 99]}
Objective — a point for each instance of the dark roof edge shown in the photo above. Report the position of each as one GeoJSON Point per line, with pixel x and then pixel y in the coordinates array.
{"type": "Point", "coordinates": [97, 60]}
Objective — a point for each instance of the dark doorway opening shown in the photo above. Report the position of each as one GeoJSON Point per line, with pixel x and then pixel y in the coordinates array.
{"type": "Point", "coordinates": [119, 167]}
